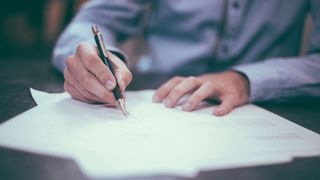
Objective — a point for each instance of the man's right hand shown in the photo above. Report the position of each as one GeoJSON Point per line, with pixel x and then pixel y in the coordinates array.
{"type": "Point", "coordinates": [89, 80]}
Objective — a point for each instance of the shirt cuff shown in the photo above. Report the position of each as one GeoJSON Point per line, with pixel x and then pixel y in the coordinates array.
{"type": "Point", "coordinates": [265, 81]}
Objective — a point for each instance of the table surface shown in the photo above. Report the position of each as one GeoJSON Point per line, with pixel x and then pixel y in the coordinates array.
{"type": "Point", "coordinates": [18, 75]}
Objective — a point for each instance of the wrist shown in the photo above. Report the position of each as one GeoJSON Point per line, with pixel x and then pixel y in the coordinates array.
{"type": "Point", "coordinates": [244, 83]}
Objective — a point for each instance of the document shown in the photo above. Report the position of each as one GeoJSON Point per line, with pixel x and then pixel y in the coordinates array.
{"type": "Point", "coordinates": [154, 140]}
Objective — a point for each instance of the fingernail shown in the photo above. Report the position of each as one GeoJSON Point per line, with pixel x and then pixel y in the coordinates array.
{"type": "Point", "coordinates": [186, 107]}
{"type": "Point", "coordinates": [156, 98]}
{"type": "Point", "coordinates": [168, 103]}
{"type": "Point", "coordinates": [109, 85]}
{"type": "Point", "coordinates": [218, 111]}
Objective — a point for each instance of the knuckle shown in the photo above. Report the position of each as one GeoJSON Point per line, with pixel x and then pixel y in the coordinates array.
{"type": "Point", "coordinates": [81, 47]}
{"type": "Point", "coordinates": [195, 98]}
{"type": "Point", "coordinates": [177, 78]}
{"type": "Point", "coordinates": [85, 80]}
{"type": "Point", "coordinates": [86, 55]}
{"type": "Point", "coordinates": [164, 88]}
{"type": "Point", "coordinates": [177, 92]}
{"type": "Point", "coordinates": [89, 60]}
{"type": "Point", "coordinates": [192, 79]}
{"type": "Point", "coordinates": [209, 85]}
{"type": "Point", "coordinates": [103, 75]}
{"type": "Point", "coordinates": [70, 61]}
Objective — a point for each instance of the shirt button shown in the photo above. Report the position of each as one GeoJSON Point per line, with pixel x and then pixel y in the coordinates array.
{"type": "Point", "coordinates": [235, 4]}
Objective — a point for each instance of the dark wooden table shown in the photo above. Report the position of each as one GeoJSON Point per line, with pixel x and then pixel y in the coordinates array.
{"type": "Point", "coordinates": [18, 75]}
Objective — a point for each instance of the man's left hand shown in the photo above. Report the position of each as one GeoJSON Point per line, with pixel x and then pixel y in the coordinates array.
{"type": "Point", "coordinates": [230, 88]}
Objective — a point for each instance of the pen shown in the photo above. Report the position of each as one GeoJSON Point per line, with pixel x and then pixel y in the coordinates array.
{"type": "Point", "coordinates": [105, 57]}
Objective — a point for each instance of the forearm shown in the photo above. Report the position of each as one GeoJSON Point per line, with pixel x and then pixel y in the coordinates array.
{"type": "Point", "coordinates": [76, 33]}
{"type": "Point", "coordinates": [114, 19]}
{"type": "Point", "coordinates": [283, 78]}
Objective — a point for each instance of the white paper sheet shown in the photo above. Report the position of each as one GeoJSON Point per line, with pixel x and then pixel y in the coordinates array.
{"type": "Point", "coordinates": [154, 139]}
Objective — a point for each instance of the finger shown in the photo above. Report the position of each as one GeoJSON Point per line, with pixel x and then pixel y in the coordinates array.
{"type": "Point", "coordinates": [183, 88]}
{"type": "Point", "coordinates": [92, 62]}
{"type": "Point", "coordinates": [92, 84]}
{"type": "Point", "coordinates": [70, 79]}
{"type": "Point", "coordinates": [165, 89]}
{"type": "Point", "coordinates": [227, 104]}
{"type": "Point", "coordinates": [122, 73]}
{"type": "Point", "coordinates": [74, 92]}
{"type": "Point", "coordinates": [86, 83]}
{"type": "Point", "coordinates": [206, 90]}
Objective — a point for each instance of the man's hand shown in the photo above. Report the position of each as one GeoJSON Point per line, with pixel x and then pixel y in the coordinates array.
{"type": "Point", "coordinates": [230, 88]}
{"type": "Point", "coordinates": [89, 80]}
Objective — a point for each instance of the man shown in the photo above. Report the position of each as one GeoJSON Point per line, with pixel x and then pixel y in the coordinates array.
{"type": "Point", "coordinates": [234, 51]}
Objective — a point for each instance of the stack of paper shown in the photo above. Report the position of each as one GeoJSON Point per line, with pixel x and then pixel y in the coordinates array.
{"type": "Point", "coordinates": [154, 140]}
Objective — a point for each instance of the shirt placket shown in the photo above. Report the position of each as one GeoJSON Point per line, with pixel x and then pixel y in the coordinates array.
{"type": "Point", "coordinates": [234, 12]}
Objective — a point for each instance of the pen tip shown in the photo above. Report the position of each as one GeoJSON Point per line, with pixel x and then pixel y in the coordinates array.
{"type": "Point", "coordinates": [122, 106]}
{"type": "Point", "coordinates": [124, 112]}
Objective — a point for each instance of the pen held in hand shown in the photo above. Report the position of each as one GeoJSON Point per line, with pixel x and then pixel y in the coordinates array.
{"type": "Point", "coordinates": [105, 57]}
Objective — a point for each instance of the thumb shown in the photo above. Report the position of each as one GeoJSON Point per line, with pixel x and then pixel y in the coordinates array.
{"type": "Point", "coordinates": [124, 78]}
{"type": "Point", "coordinates": [227, 104]}
{"type": "Point", "coordinates": [122, 73]}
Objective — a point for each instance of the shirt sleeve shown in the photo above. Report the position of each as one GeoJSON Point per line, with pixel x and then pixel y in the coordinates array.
{"type": "Point", "coordinates": [279, 78]}
{"type": "Point", "coordinates": [117, 20]}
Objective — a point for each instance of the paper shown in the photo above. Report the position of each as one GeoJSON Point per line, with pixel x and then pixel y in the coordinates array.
{"type": "Point", "coordinates": [154, 140]}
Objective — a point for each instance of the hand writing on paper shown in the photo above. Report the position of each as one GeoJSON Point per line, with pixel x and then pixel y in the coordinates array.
{"type": "Point", "coordinates": [230, 88]}
{"type": "Point", "coordinates": [89, 80]}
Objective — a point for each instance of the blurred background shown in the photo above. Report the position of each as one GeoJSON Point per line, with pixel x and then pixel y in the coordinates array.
{"type": "Point", "coordinates": [31, 27]}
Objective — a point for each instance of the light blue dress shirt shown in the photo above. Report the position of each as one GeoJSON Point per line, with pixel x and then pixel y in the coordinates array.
{"type": "Point", "coordinates": [260, 38]}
